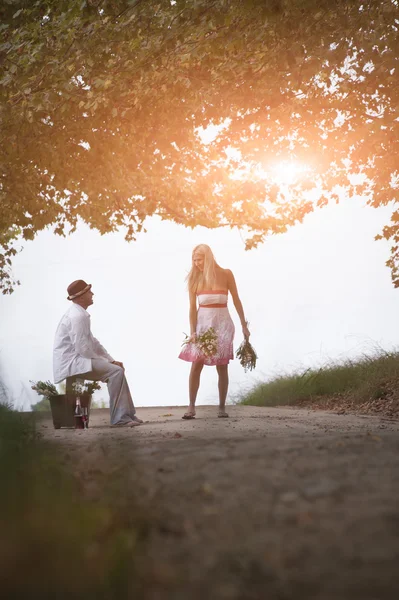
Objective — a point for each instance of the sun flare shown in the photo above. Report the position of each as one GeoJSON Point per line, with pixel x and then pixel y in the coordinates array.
{"type": "Point", "coordinates": [283, 173]}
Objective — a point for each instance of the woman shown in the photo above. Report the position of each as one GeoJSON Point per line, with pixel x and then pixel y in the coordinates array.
{"type": "Point", "coordinates": [211, 284]}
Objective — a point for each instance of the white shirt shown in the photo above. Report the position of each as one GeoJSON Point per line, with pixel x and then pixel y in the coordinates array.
{"type": "Point", "coordinates": [75, 345]}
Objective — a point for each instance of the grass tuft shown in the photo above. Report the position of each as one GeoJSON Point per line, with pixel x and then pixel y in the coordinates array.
{"type": "Point", "coordinates": [58, 540]}
{"type": "Point", "coordinates": [370, 378]}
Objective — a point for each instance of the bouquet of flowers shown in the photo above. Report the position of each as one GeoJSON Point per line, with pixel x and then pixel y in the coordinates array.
{"type": "Point", "coordinates": [44, 388]}
{"type": "Point", "coordinates": [206, 342]}
{"type": "Point", "coordinates": [80, 387]}
{"type": "Point", "coordinates": [246, 355]}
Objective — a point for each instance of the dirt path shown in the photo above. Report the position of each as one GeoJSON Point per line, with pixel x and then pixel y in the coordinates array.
{"type": "Point", "coordinates": [270, 504]}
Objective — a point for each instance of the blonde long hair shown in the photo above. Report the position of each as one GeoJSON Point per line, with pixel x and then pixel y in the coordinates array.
{"type": "Point", "coordinates": [197, 280]}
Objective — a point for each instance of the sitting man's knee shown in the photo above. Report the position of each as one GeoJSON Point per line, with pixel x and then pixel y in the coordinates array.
{"type": "Point", "coordinates": [117, 370]}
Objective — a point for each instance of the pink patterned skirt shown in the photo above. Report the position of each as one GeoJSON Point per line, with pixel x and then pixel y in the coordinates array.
{"type": "Point", "coordinates": [212, 312]}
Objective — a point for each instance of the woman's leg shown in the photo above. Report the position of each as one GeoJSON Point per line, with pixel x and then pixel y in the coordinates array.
{"type": "Point", "coordinates": [193, 385]}
{"type": "Point", "coordinates": [223, 374]}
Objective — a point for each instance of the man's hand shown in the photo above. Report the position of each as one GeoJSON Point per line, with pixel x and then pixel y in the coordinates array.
{"type": "Point", "coordinates": [117, 362]}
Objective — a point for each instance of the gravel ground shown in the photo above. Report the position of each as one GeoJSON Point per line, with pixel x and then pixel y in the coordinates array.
{"type": "Point", "coordinates": [272, 503]}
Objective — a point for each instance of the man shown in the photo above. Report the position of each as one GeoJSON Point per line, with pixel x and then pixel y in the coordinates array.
{"type": "Point", "coordinates": [77, 353]}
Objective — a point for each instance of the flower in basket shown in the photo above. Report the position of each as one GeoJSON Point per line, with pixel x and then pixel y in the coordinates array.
{"type": "Point", "coordinates": [246, 355]}
{"type": "Point", "coordinates": [44, 388]}
{"type": "Point", "coordinates": [81, 387]}
{"type": "Point", "coordinates": [206, 342]}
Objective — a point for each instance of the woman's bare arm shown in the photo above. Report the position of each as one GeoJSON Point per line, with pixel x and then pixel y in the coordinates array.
{"type": "Point", "coordinates": [193, 313]}
{"type": "Point", "coordinates": [232, 287]}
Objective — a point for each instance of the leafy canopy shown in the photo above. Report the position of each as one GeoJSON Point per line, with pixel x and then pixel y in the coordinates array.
{"type": "Point", "coordinates": [103, 105]}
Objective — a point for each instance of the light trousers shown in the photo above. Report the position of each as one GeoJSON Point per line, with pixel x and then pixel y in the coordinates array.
{"type": "Point", "coordinates": [120, 400]}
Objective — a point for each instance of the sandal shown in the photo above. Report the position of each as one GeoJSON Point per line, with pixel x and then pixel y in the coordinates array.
{"type": "Point", "coordinates": [189, 415]}
{"type": "Point", "coordinates": [222, 414]}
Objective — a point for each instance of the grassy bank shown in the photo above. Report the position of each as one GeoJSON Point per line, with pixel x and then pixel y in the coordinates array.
{"type": "Point", "coordinates": [369, 383]}
{"type": "Point", "coordinates": [59, 537]}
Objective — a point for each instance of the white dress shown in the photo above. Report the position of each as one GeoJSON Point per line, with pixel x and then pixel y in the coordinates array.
{"type": "Point", "coordinates": [212, 312]}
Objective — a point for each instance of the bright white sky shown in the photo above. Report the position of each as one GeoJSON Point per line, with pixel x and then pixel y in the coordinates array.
{"type": "Point", "coordinates": [319, 293]}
